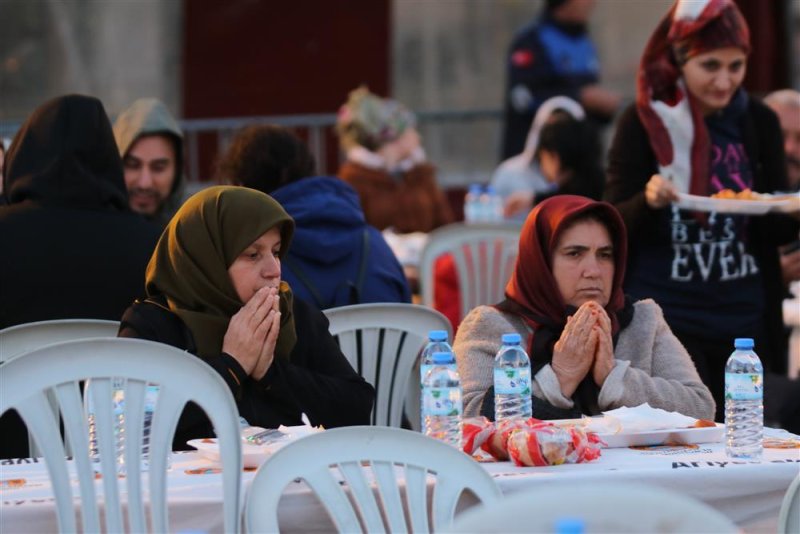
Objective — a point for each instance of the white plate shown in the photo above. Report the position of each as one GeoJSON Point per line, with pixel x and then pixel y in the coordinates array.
{"type": "Point", "coordinates": [676, 436]}
{"type": "Point", "coordinates": [252, 455]}
{"type": "Point", "coordinates": [683, 436]}
{"type": "Point", "coordinates": [782, 203]}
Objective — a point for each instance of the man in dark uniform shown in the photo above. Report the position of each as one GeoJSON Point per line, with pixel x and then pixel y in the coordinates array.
{"type": "Point", "coordinates": [552, 56]}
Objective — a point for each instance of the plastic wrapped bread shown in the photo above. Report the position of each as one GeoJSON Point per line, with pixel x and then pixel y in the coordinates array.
{"type": "Point", "coordinates": [547, 444]}
{"type": "Point", "coordinates": [530, 442]}
{"type": "Point", "coordinates": [476, 431]}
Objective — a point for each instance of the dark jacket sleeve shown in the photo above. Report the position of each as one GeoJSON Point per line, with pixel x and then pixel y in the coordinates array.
{"type": "Point", "coordinates": [764, 143]}
{"type": "Point", "coordinates": [318, 378]}
{"type": "Point", "coordinates": [154, 322]}
{"type": "Point", "coordinates": [631, 163]}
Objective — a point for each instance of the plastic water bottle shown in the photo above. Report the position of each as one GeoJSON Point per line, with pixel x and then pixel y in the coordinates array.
{"type": "Point", "coordinates": [472, 204]}
{"type": "Point", "coordinates": [485, 203]}
{"type": "Point", "coordinates": [150, 399]}
{"type": "Point", "coordinates": [744, 402]}
{"type": "Point", "coordinates": [437, 342]}
{"type": "Point", "coordinates": [442, 406]}
{"type": "Point", "coordinates": [494, 210]}
{"type": "Point", "coordinates": [118, 411]}
{"type": "Point", "coordinates": [118, 415]}
{"type": "Point", "coordinates": [512, 380]}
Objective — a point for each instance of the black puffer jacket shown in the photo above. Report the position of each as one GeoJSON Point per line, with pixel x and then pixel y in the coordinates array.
{"type": "Point", "coordinates": [316, 379]}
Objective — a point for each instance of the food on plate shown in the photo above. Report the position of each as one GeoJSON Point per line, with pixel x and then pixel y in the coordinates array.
{"type": "Point", "coordinates": [745, 194]}
{"type": "Point", "coordinates": [700, 423]}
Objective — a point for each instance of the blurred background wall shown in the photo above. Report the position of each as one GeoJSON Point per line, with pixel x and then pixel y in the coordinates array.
{"type": "Point", "coordinates": [208, 59]}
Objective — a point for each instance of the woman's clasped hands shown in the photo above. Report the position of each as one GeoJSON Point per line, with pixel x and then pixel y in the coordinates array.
{"type": "Point", "coordinates": [585, 347]}
{"type": "Point", "coordinates": [253, 332]}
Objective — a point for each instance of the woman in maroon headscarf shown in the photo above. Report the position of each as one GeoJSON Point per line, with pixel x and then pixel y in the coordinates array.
{"type": "Point", "coordinates": [695, 130]}
{"type": "Point", "coordinates": [591, 349]}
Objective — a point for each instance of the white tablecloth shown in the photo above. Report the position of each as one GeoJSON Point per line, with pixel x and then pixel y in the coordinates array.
{"type": "Point", "coordinates": [749, 493]}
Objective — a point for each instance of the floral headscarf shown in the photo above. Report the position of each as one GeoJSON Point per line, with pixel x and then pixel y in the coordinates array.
{"type": "Point", "coordinates": [371, 121]}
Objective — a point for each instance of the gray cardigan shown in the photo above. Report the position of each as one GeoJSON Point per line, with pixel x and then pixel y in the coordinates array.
{"type": "Point", "coordinates": [651, 365]}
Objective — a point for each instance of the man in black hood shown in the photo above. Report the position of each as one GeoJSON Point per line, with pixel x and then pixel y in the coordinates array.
{"type": "Point", "coordinates": [71, 246]}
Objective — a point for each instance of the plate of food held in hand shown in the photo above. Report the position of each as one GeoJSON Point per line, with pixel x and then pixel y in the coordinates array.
{"type": "Point", "coordinates": [745, 202]}
{"type": "Point", "coordinates": [644, 425]}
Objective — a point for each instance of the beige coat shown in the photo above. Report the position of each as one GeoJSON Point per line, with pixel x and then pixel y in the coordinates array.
{"type": "Point", "coordinates": [651, 364]}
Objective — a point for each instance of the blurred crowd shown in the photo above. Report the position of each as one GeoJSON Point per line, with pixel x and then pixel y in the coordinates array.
{"type": "Point", "coordinates": [100, 227]}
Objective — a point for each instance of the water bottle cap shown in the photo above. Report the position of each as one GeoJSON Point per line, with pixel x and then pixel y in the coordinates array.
{"type": "Point", "coordinates": [570, 525]}
{"type": "Point", "coordinates": [490, 189]}
{"type": "Point", "coordinates": [743, 343]}
{"type": "Point", "coordinates": [443, 357]}
{"type": "Point", "coordinates": [437, 335]}
{"type": "Point", "coordinates": [475, 188]}
{"type": "Point", "coordinates": [511, 338]}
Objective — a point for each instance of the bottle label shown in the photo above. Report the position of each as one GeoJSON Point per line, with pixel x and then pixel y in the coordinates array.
{"type": "Point", "coordinates": [744, 386]}
{"type": "Point", "coordinates": [442, 401]}
{"type": "Point", "coordinates": [425, 368]}
{"type": "Point", "coordinates": [513, 381]}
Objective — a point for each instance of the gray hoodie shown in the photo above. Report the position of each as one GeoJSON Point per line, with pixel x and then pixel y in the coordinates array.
{"type": "Point", "coordinates": [148, 116]}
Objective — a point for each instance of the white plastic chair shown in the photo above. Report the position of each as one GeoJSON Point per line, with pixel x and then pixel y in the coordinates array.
{"type": "Point", "coordinates": [606, 507]}
{"type": "Point", "coordinates": [181, 377]}
{"type": "Point", "coordinates": [396, 464]}
{"type": "Point", "coordinates": [789, 516]}
{"type": "Point", "coordinates": [382, 342]}
{"type": "Point", "coordinates": [21, 338]}
{"type": "Point", "coordinates": [484, 257]}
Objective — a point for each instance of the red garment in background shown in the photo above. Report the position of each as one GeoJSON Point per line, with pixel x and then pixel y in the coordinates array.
{"type": "Point", "coordinates": [446, 295]}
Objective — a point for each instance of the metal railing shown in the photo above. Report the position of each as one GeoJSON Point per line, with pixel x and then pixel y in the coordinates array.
{"type": "Point", "coordinates": [317, 130]}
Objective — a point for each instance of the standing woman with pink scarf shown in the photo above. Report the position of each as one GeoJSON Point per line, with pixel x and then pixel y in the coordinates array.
{"type": "Point", "coordinates": [694, 129]}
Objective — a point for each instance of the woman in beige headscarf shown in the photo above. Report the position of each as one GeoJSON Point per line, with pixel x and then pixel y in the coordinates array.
{"type": "Point", "coordinates": [214, 288]}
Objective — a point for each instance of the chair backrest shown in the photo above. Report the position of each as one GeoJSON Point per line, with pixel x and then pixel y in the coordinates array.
{"type": "Point", "coordinates": [789, 516]}
{"type": "Point", "coordinates": [386, 472]}
{"type": "Point", "coordinates": [484, 257]}
{"type": "Point", "coordinates": [382, 341]}
{"type": "Point", "coordinates": [180, 376]}
{"type": "Point", "coordinates": [606, 507]}
{"type": "Point", "coordinates": [21, 338]}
